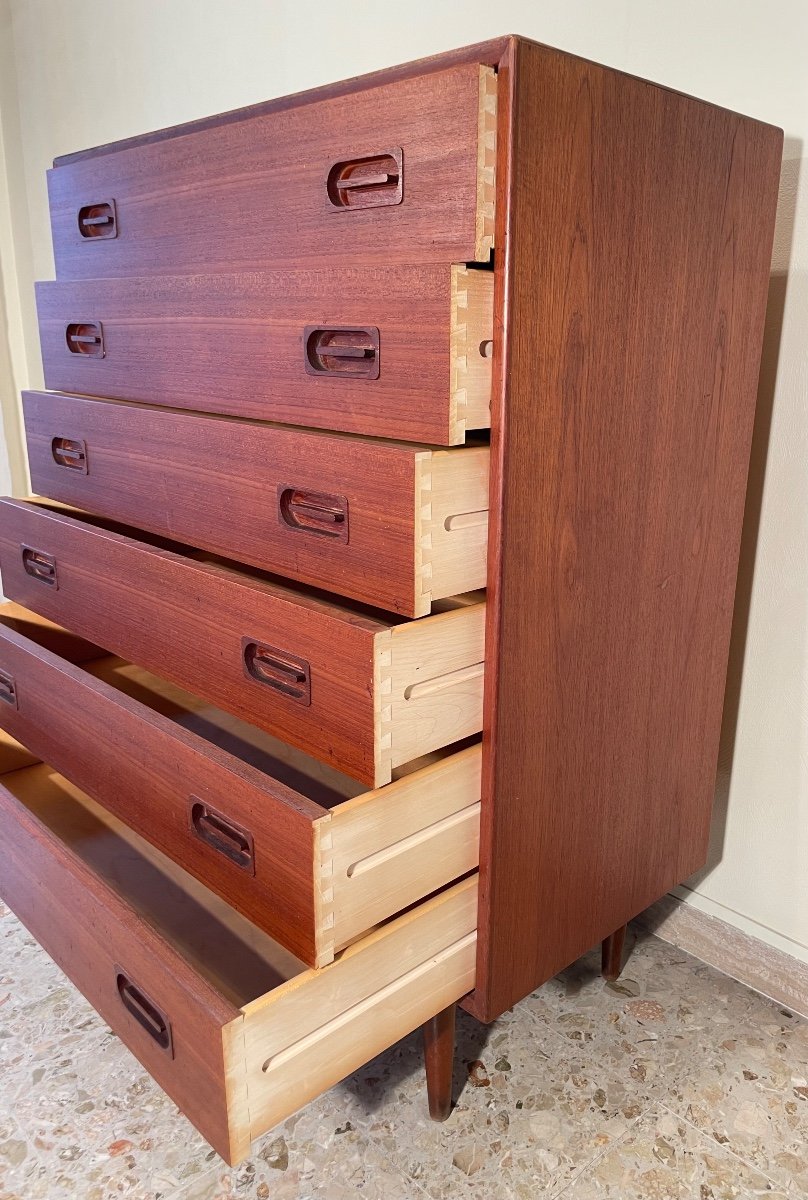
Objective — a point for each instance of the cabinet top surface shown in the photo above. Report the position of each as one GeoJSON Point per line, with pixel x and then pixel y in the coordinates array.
{"type": "Point", "coordinates": [489, 53]}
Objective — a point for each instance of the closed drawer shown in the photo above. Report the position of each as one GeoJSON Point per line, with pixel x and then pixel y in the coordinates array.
{"type": "Point", "coordinates": [235, 1029]}
{"type": "Point", "coordinates": [392, 525]}
{"type": "Point", "coordinates": [363, 692]}
{"type": "Point", "coordinates": [394, 352]}
{"type": "Point", "coordinates": [302, 851]}
{"type": "Point", "coordinates": [400, 172]}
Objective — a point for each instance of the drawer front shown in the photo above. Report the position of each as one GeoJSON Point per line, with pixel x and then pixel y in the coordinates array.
{"type": "Point", "coordinates": [164, 782]}
{"type": "Point", "coordinates": [394, 352]}
{"type": "Point", "coordinates": [134, 979]}
{"type": "Point", "coordinates": [400, 172]}
{"type": "Point", "coordinates": [242, 1036]}
{"type": "Point", "coordinates": [334, 512]}
{"type": "Point", "coordinates": [197, 626]}
{"type": "Point", "coordinates": [195, 784]}
{"type": "Point", "coordinates": [360, 694]}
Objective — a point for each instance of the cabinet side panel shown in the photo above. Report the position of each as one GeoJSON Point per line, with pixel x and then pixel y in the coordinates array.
{"type": "Point", "coordinates": [638, 243]}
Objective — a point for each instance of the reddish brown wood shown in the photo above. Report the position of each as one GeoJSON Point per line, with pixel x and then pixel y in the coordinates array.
{"type": "Point", "coordinates": [487, 53]}
{"type": "Point", "coordinates": [186, 621]}
{"type": "Point", "coordinates": [252, 193]}
{"type": "Point", "coordinates": [634, 244]}
{"type": "Point", "coordinates": [234, 344]}
{"type": "Point", "coordinates": [217, 484]}
{"type": "Point", "coordinates": [90, 932]}
{"type": "Point", "coordinates": [439, 1047]}
{"type": "Point", "coordinates": [145, 768]}
{"type": "Point", "coordinates": [45, 633]}
{"type": "Point", "coordinates": [611, 953]}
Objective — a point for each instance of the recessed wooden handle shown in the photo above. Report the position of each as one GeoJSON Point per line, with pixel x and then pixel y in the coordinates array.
{"type": "Point", "coordinates": [40, 566]}
{"type": "Point", "coordinates": [284, 673]}
{"type": "Point", "coordinates": [145, 1011]}
{"type": "Point", "coordinates": [71, 453]}
{"type": "Point", "coordinates": [342, 350]}
{"type": "Point", "coordinates": [85, 338]}
{"type": "Point", "coordinates": [369, 182]}
{"type": "Point", "coordinates": [318, 513]}
{"type": "Point", "coordinates": [96, 221]}
{"type": "Point", "coordinates": [8, 689]}
{"type": "Point", "coordinates": [223, 835]}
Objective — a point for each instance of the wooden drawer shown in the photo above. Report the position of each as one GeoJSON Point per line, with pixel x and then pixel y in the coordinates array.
{"type": "Point", "coordinates": [270, 189]}
{"type": "Point", "coordinates": [235, 1029]}
{"type": "Point", "coordinates": [257, 346]}
{"type": "Point", "coordinates": [392, 525]}
{"type": "Point", "coordinates": [301, 850]}
{"type": "Point", "coordinates": [360, 691]}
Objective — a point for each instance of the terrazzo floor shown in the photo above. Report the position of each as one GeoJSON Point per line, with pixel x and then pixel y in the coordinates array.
{"type": "Point", "coordinates": [674, 1082]}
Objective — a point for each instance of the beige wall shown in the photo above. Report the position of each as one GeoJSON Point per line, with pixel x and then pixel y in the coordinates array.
{"type": "Point", "coordinates": [67, 82]}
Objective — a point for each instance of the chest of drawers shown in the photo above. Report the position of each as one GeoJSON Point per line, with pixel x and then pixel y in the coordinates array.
{"type": "Point", "coordinates": [365, 651]}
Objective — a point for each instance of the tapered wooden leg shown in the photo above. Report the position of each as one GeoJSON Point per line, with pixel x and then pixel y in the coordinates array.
{"type": "Point", "coordinates": [612, 953]}
{"type": "Point", "coordinates": [439, 1045]}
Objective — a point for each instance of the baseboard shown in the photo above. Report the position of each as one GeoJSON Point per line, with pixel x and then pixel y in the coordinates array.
{"type": "Point", "coordinates": [736, 953]}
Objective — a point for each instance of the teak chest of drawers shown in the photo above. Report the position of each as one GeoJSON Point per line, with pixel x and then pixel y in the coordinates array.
{"type": "Point", "coordinates": [366, 653]}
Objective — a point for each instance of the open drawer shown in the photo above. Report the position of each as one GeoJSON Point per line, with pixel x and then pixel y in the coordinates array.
{"type": "Point", "coordinates": [390, 524]}
{"type": "Point", "coordinates": [361, 690]}
{"type": "Point", "coordinates": [235, 1029]}
{"type": "Point", "coordinates": [301, 850]}
{"type": "Point", "coordinates": [396, 352]}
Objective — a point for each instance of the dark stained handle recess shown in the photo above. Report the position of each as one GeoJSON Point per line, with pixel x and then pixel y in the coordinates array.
{"type": "Point", "coordinates": [313, 512]}
{"type": "Point", "coordinates": [98, 220]}
{"type": "Point", "coordinates": [8, 689]}
{"type": "Point", "coordinates": [285, 673]}
{"type": "Point", "coordinates": [342, 350]}
{"type": "Point", "coordinates": [71, 453]}
{"type": "Point", "coordinates": [145, 1011]}
{"type": "Point", "coordinates": [369, 182]}
{"type": "Point", "coordinates": [85, 339]}
{"type": "Point", "coordinates": [218, 831]}
{"type": "Point", "coordinates": [40, 565]}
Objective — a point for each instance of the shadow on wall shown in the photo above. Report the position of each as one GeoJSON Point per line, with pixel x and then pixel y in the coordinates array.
{"type": "Point", "coordinates": [778, 287]}
{"type": "Point", "coordinates": [11, 430]}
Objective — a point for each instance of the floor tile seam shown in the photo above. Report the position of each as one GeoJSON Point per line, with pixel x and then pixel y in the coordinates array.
{"type": "Point", "coordinates": [722, 1148]}
{"type": "Point", "coordinates": [596, 1158]}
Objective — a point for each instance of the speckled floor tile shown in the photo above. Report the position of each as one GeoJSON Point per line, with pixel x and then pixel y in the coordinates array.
{"type": "Point", "coordinates": [665, 1158]}
{"type": "Point", "coordinates": [531, 1110]}
{"type": "Point", "coordinates": [314, 1154]}
{"type": "Point", "coordinates": [746, 1082]}
{"type": "Point", "coordinates": [555, 1099]}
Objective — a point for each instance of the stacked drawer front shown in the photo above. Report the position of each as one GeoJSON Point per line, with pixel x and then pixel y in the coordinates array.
{"type": "Point", "coordinates": [270, 346]}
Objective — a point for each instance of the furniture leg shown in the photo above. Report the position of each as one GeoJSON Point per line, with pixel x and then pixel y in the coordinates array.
{"type": "Point", "coordinates": [612, 953]}
{"type": "Point", "coordinates": [439, 1044]}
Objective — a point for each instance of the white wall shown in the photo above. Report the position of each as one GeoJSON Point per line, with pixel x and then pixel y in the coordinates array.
{"type": "Point", "coordinates": [150, 63]}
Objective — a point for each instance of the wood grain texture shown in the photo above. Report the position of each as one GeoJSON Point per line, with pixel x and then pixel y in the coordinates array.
{"type": "Point", "coordinates": [637, 243]}
{"type": "Point", "coordinates": [187, 620]}
{"type": "Point", "coordinates": [90, 932]}
{"type": "Point", "coordinates": [145, 768]}
{"type": "Point", "coordinates": [252, 193]}
{"type": "Point", "coordinates": [215, 484]}
{"type": "Point", "coordinates": [147, 751]}
{"type": "Point", "coordinates": [439, 1048]}
{"type": "Point", "coordinates": [307, 1034]}
{"type": "Point", "coordinates": [488, 53]}
{"type": "Point", "coordinates": [234, 344]}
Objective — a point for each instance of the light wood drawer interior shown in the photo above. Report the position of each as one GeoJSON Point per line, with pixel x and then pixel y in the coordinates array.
{"type": "Point", "coordinates": [236, 1030]}
{"type": "Point", "coordinates": [302, 850]}
{"type": "Point", "coordinates": [385, 523]}
{"type": "Point", "coordinates": [376, 691]}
